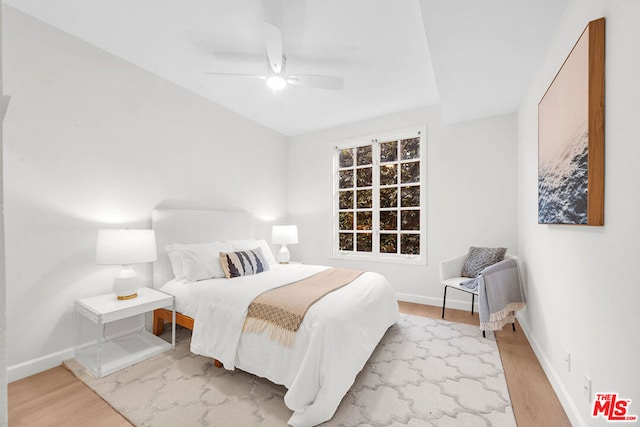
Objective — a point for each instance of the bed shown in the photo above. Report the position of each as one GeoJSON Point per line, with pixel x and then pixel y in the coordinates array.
{"type": "Point", "coordinates": [337, 336]}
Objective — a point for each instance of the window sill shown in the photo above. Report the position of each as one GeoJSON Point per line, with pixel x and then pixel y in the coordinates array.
{"type": "Point", "coordinates": [403, 260]}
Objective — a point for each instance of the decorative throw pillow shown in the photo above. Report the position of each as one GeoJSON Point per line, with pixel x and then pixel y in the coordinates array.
{"type": "Point", "coordinates": [480, 258]}
{"type": "Point", "coordinates": [243, 263]}
{"type": "Point", "coordinates": [248, 244]}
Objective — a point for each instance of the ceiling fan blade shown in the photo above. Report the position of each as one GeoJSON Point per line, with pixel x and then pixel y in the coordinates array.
{"type": "Point", "coordinates": [271, 11]}
{"type": "Point", "coordinates": [238, 57]}
{"type": "Point", "coordinates": [251, 76]}
{"type": "Point", "coordinates": [273, 44]}
{"type": "Point", "coordinates": [317, 81]}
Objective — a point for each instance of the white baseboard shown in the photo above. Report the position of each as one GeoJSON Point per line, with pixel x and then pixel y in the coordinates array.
{"type": "Point", "coordinates": [561, 391]}
{"type": "Point", "coordinates": [35, 366]}
{"type": "Point", "coordinates": [437, 301]}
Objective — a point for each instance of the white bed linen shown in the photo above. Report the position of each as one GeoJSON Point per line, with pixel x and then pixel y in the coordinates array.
{"type": "Point", "coordinates": [335, 339]}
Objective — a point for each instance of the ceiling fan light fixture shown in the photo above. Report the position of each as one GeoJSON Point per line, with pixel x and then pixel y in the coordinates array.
{"type": "Point", "coordinates": [276, 82]}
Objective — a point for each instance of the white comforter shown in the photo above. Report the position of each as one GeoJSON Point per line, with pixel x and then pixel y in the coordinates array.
{"type": "Point", "coordinates": [334, 341]}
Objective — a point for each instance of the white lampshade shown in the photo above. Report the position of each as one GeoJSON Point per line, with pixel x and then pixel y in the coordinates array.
{"type": "Point", "coordinates": [284, 235]}
{"type": "Point", "coordinates": [126, 247]}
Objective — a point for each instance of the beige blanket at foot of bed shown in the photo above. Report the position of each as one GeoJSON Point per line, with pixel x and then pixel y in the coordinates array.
{"type": "Point", "coordinates": [280, 311]}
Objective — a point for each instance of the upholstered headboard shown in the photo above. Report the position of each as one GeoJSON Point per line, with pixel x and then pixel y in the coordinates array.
{"type": "Point", "coordinates": [194, 226]}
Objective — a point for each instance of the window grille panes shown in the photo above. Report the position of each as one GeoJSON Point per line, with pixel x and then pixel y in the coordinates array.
{"type": "Point", "coordinates": [410, 148]}
{"type": "Point", "coordinates": [346, 199]}
{"type": "Point", "coordinates": [365, 199]}
{"type": "Point", "coordinates": [388, 243]}
{"type": "Point", "coordinates": [346, 158]}
{"type": "Point", "coordinates": [346, 241]}
{"type": "Point", "coordinates": [388, 197]}
{"type": "Point", "coordinates": [346, 220]}
{"type": "Point", "coordinates": [388, 174]}
{"type": "Point", "coordinates": [410, 220]}
{"type": "Point", "coordinates": [410, 172]}
{"type": "Point", "coordinates": [380, 206]}
{"type": "Point", "coordinates": [364, 178]}
{"type": "Point", "coordinates": [365, 220]}
{"type": "Point", "coordinates": [388, 220]}
{"type": "Point", "coordinates": [364, 155]}
{"type": "Point", "coordinates": [364, 242]}
{"type": "Point", "coordinates": [410, 244]}
{"type": "Point", "coordinates": [389, 151]}
{"type": "Point", "coordinates": [346, 179]}
{"type": "Point", "coordinates": [410, 196]}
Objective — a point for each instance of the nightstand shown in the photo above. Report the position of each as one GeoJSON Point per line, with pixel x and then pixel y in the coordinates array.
{"type": "Point", "coordinates": [102, 355]}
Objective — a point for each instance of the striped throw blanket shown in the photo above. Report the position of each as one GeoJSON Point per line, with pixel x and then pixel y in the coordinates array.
{"type": "Point", "coordinates": [280, 311]}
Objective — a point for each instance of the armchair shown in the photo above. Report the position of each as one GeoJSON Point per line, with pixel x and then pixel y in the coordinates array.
{"type": "Point", "coordinates": [450, 277]}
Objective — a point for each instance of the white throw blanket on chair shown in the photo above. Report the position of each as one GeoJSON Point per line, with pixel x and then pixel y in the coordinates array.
{"type": "Point", "coordinates": [500, 294]}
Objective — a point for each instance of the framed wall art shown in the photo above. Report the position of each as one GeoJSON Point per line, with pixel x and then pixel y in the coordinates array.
{"type": "Point", "coordinates": [571, 136]}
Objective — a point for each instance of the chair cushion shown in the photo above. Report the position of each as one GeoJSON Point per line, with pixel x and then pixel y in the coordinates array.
{"type": "Point", "coordinates": [454, 282]}
{"type": "Point", "coordinates": [480, 258]}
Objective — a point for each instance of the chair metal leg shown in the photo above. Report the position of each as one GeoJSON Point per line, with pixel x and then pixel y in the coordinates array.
{"type": "Point", "coordinates": [513, 326]}
{"type": "Point", "coordinates": [444, 300]}
{"type": "Point", "coordinates": [473, 298]}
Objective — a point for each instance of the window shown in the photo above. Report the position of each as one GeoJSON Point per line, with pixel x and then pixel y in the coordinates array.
{"type": "Point", "coordinates": [380, 197]}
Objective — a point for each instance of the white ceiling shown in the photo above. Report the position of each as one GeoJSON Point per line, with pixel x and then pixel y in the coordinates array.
{"type": "Point", "coordinates": [485, 52]}
{"type": "Point", "coordinates": [390, 53]}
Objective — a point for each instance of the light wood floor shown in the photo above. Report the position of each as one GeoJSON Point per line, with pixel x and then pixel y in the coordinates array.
{"type": "Point", "coordinates": [57, 398]}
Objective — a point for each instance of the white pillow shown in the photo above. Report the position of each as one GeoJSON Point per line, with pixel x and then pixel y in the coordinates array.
{"type": "Point", "coordinates": [202, 261]}
{"type": "Point", "coordinates": [197, 261]}
{"type": "Point", "coordinates": [248, 244]}
{"type": "Point", "coordinates": [174, 251]}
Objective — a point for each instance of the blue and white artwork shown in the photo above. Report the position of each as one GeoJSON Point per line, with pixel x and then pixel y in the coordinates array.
{"type": "Point", "coordinates": [562, 184]}
{"type": "Point", "coordinates": [563, 142]}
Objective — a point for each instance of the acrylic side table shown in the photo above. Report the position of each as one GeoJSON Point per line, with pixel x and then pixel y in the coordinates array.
{"type": "Point", "coordinates": [102, 355]}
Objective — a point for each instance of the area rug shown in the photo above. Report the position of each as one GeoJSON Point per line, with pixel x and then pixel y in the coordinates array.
{"type": "Point", "coordinates": [424, 372]}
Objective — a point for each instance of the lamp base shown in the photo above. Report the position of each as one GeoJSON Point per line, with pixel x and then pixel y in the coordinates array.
{"type": "Point", "coordinates": [283, 255]}
{"type": "Point", "coordinates": [126, 284]}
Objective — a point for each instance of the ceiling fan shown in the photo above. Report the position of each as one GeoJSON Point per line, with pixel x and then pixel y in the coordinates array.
{"type": "Point", "coordinates": [276, 76]}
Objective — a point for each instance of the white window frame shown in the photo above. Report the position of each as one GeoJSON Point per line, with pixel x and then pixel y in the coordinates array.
{"type": "Point", "coordinates": [375, 255]}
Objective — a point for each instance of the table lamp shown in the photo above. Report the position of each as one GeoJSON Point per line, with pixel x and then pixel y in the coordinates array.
{"type": "Point", "coordinates": [284, 235]}
{"type": "Point", "coordinates": [126, 247]}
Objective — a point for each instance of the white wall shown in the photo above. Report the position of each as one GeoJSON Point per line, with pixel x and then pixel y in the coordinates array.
{"type": "Point", "coordinates": [92, 141]}
{"type": "Point", "coordinates": [3, 294]}
{"type": "Point", "coordinates": [582, 283]}
{"type": "Point", "coordinates": [471, 195]}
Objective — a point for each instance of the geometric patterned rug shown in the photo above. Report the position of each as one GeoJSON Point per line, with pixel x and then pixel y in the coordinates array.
{"type": "Point", "coordinates": [424, 372]}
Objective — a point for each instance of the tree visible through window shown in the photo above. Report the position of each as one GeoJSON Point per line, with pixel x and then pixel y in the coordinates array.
{"type": "Point", "coordinates": [379, 197]}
